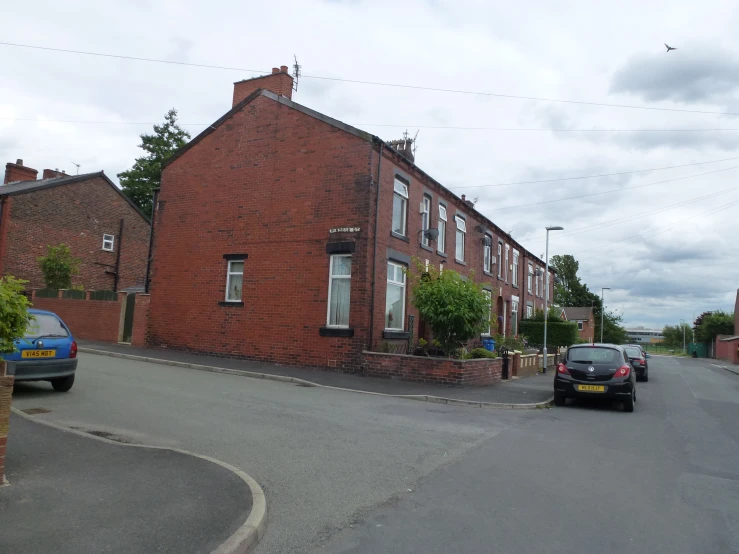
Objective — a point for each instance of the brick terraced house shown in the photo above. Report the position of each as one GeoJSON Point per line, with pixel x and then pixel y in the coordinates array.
{"type": "Point", "coordinates": [584, 319]}
{"type": "Point", "coordinates": [87, 212]}
{"type": "Point", "coordinates": [281, 235]}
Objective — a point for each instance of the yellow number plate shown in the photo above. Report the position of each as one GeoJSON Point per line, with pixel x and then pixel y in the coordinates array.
{"type": "Point", "coordinates": [591, 388]}
{"type": "Point", "coordinates": [38, 353]}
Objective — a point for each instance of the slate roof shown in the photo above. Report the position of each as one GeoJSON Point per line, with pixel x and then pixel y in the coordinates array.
{"type": "Point", "coordinates": [578, 314]}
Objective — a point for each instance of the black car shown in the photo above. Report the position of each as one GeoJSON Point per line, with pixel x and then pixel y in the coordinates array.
{"type": "Point", "coordinates": [638, 359]}
{"type": "Point", "coordinates": [596, 371]}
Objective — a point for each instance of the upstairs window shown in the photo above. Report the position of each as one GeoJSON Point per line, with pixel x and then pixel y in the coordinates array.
{"type": "Point", "coordinates": [425, 218]}
{"type": "Point", "coordinates": [487, 253]}
{"type": "Point", "coordinates": [108, 243]}
{"type": "Point", "coordinates": [461, 231]}
{"type": "Point", "coordinates": [400, 207]}
{"type": "Point", "coordinates": [505, 269]}
{"type": "Point", "coordinates": [515, 269]}
{"type": "Point", "coordinates": [500, 260]}
{"type": "Point", "coordinates": [530, 281]}
{"type": "Point", "coordinates": [441, 241]}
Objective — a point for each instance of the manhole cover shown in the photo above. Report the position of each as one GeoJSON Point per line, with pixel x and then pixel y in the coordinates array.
{"type": "Point", "coordinates": [34, 411]}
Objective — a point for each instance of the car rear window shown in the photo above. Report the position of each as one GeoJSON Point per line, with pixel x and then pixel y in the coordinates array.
{"type": "Point", "coordinates": [633, 352]}
{"type": "Point", "coordinates": [44, 325]}
{"type": "Point", "coordinates": [593, 354]}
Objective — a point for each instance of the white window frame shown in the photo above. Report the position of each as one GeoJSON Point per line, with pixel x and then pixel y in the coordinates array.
{"type": "Point", "coordinates": [441, 242]}
{"type": "Point", "coordinates": [580, 326]}
{"type": "Point", "coordinates": [529, 310]}
{"type": "Point", "coordinates": [490, 297]}
{"type": "Point", "coordinates": [331, 277]}
{"type": "Point", "coordinates": [425, 218]}
{"type": "Point", "coordinates": [516, 256]}
{"type": "Point", "coordinates": [108, 239]}
{"type": "Point", "coordinates": [400, 189]}
{"type": "Point", "coordinates": [514, 317]}
{"type": "Point", "coordinates": [537, 282]}
{"type": "Point", "coordinates": [229, 273]}
{"type": "Point", "coordinates": [500, 260]}
{"type": "Point", "coordinates": [530, 279]}
{"type": "Point", "coordinates": [507, 261]}
{"type": "Point", "coordinates": [461, 230]}
{"type": "Point", "coordinates": [487, 254]}
{"type": "Point", "coordinates": [401, 319]}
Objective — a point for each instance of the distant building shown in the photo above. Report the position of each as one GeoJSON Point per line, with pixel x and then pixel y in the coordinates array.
{"type": "Point", "coordinates": [584, 319]}
{"type": "Point", "coordinates": [645, 335]}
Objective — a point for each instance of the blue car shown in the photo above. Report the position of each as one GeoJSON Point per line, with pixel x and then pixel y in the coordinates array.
{"type": "Point", "coordinates": [48, 352]}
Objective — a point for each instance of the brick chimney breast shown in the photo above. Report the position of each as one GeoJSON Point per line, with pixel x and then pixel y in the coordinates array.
{"type": "Point", "coordinates": [280, 82]}
{"type": "Point", "coordinates": [18, 172]}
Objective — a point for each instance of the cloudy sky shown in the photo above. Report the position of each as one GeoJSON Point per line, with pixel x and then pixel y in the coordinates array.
{"type": "Point", "coordinates": [664, 240]}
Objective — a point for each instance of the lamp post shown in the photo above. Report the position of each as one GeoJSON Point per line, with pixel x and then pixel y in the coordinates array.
{"type": "Point", "coordinates": [602, 310]}
{"type": "Point", "coordinates": [546, 297]}
{"type": "Point", "coordinates": [682, 321]}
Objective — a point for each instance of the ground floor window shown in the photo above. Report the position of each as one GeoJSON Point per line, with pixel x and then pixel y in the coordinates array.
{"type": "Point", "coordinates": [395, 297]}
{"type": "Point", "coordinates": [490, 315]}
{"type": "Point", "coordinates": [514, 318]}
{"type": "Point", "coordinates": [529, 310]}
{"type": "Point", "coordinates": [339, 289]}
{"type": "Point", "coordinates": [579, 325]}
{"type": "Point", "coordinates": [234, 280]}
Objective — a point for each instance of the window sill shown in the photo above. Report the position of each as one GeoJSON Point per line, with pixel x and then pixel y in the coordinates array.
{"type": "Point", "coordinates": [488, 273]}
{"type": "Point", "coordinates": [232, 304]}
{"type": "Point", "coordinates": [422, 245]}
{"type": "Point", "coordinates": [460, 262]}
{"type": "Point", "coordinates": [389, 334]}
{"type": "Point", "coordinates": [440, 253]}
{"type": "Point", "coordinates": [345, 332]}
{"type": "Point", "coordinates": [400, 237]}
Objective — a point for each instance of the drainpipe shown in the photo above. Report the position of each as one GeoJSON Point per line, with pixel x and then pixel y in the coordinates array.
{"type": "Point", "coordinates": [117, 274]}
{"type": "Point", "coordinates": [147, 280]}
{"type": "Point", "coordinates": [374, 252]}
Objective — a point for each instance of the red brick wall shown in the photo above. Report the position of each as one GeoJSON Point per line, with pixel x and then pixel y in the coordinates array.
{"type": "Point", "coordinates": [140, 320]}
{"type": "Point", "coordinates": [279, 82]}
{"type": "Point", "coordinates": [727, 350]}
{"type": "Point", "coordinates": [438, 371]}
{"type": "Point", "coordinates": [421, 184]}
{"type": "Point", "coordinates": [87, 319]}
{"type": "Point", "coordinates": [270, 182]}
{"type": "Point", "coordinates": [6, 393]}
{"type": "Point", "coordinates": [78, 215]}
{"type": "Point", "coordinates": [19, 172]}
{"type": "Point", "coordinates": [588, 330]}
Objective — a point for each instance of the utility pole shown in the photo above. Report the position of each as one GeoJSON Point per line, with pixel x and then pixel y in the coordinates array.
{"type": "Point", "coordinates": [546, 297]}
{"type": "Point", "coordinates": [602, 310]}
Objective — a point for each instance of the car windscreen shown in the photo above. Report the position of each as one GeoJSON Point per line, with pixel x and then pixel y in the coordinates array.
{"type": "Point", "coordinates": [593, 355]}
{"type": "Point", "coordinates": [633, 352]}
{"type": "Point", "coordinates": [44, 325]}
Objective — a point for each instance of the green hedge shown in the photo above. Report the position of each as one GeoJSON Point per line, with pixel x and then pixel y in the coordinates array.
{"type": "Point", "coordinates": [482, 353]}
{"type": "Point", "coordinates": [559, 333]}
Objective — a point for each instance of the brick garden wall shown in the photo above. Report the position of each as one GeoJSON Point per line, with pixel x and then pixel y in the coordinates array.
{"type": "Point", "coordinates": [727, 350]}
{"type": "Point", "coordinates": [438, 371]}
{"type": "Point", "coordinates": [77, 214]}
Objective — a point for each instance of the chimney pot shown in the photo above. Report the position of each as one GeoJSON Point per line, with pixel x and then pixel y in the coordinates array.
{"type": "Point", "coordinates": [463, 198]}
{"type": "Point", "coordinates": [18, 162]}
{"type": "Point", "coordinates": [275, 71]}
{"type": "Point", "coordinates": [283, 69]}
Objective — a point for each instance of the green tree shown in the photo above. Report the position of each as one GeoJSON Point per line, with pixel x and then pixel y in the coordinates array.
{"type": "Point", "coordinates": [14, 316]}
{"type": "Point", "coordinates": [457, 310]}
{"type": "Point", "coordinates": [613, 329]}
{"type": "Point", "coordinates": [674, 334]}
{"type": "Point", "coordinates": [714, 324]}
{"type": "Point", "coordinates": [58, 266]}
{"type": "Point", "coordinates": [139, 182]}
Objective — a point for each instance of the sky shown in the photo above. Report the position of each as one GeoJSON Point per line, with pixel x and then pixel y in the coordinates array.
{"type": "Point", "coordinates": [663, 240]}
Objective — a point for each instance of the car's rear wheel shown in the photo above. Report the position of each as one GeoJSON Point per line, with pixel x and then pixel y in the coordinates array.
{"type": "Point", "coordinates": [646, 376]}
{"type": "Point", "coordinates": [559, 400]}
{"type": "Point", "coordinates": [63, 384]}
{"type": "Point", "coordinates": [629, 404]}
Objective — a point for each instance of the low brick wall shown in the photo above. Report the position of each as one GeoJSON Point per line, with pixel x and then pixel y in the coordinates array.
{"type": "Point", "coordinates": [6, 392]}
{"type": "Point", "coordinates": [527, 365]}
{"type": "Point", "coordinates": [439, 371]}
{"type": "Point", "coordinates": [726, 349]}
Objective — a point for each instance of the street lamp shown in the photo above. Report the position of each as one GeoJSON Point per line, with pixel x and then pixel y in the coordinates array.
{"type": "Point", "coordinates": [546, 297]}
{"type": "Point", "coordinates": [683, 326]}
{"type": "Point", "coordinates": [602, 310]}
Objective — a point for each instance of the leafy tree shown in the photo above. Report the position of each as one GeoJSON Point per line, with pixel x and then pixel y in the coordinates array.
{"type": "Point", "coordinates": [58, 266]}
{"type": "Point", "coordinates": [139, 182]}
{"type": "Point", "coordinates": [457, 310]}
{"type": "Point", "coordinates": [559, 333]}
{"type": "Point", "coordinates": [714, 324]}
{"type": "Point", "coordinates": [613, 330]}
{"type": "Point", "coordinates": [674, 334]}
{"type": "Point", "coordinates": [14, 316]}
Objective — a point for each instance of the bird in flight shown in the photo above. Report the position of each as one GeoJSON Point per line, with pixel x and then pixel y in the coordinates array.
{"type": "Point", "coordinates": [669, 47]}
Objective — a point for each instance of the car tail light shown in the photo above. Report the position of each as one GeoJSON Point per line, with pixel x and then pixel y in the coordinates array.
{"type": "Point", "coordinates": [623, 371]}
{"type": "Point", "coordinates": [562, 369]}
{"type": "Point", "coordinates": [642, 362]}
{"type": "Point", "coordinates": [73, 350]}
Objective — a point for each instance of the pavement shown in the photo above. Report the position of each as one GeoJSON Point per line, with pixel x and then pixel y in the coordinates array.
{"type": "Point", "coordinates": [346, 472]}
{"type": "Point", "coordinates": [530, 390]}
{"type": "Point", "coordinates": [70, 493]}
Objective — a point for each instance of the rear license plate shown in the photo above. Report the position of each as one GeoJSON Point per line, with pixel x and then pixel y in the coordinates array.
{"type": "Point", "coordinates": [591, 388]}
{"type": "Point", "coordinates": [38, 353]}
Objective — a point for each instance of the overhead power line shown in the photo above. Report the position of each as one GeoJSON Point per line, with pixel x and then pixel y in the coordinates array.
{"type": "Point", "coordinates": [374, 83]}
{"type": "Point", "coordinates": [612, 190]}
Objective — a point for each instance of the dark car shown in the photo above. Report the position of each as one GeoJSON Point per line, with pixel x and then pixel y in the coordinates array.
{"type": "Point", "coordinates": [47, 352]}
{"type": "Point", "coordinates": [600, 371]}
{"type": "Point", "coordinates": [638, 359]}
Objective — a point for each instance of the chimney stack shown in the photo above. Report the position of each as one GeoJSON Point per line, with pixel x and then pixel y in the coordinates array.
{"type": "Point", "coordinates": [18, 172]}
{"type": "Point", "coordinates": [280, 82]}
{"type": "Point", "coordinates": [53, 174]}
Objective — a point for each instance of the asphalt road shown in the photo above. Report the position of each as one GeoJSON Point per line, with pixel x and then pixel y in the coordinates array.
{"type": "Point", "coordinates": [347, 472]}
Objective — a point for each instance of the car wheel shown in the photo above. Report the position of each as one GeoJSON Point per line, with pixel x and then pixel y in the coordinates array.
{"type": "Point", "coordinates": [629, 404]}
{"type": "Point", "coordinates": [646, 377]}
{"type": "Point", "coordinates": [63, 384]}
{"type": "Point", "coordinates": [559, 400]}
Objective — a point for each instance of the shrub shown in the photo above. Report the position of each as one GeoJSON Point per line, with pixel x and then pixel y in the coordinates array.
{"type": "Point", "coordinates": [482, 353]}
{"type": "Point", "coordinates": [559, 333]}
{"type": "Point", "coordinates": [58, 266]}
{"type": "Point", "coordinates": [14, 316]}
{"type": "Point", "coordinates": [457, 310]}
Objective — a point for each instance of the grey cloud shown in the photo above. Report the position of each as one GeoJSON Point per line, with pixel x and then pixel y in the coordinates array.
{"type": "Point", "coordinates": [671, 253]}
{"type": "Point", "coordinates": [685, 75]}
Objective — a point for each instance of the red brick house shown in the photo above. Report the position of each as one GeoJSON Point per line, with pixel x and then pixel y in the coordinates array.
{"type": "Point", "coordinates": [281, 234]}
{"type": "Point", "coordinates": [86, 212]}
{"type": "Point", "coordinates": [727, 346]}
{"type": "Point", "coordinates": [584, 319]}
